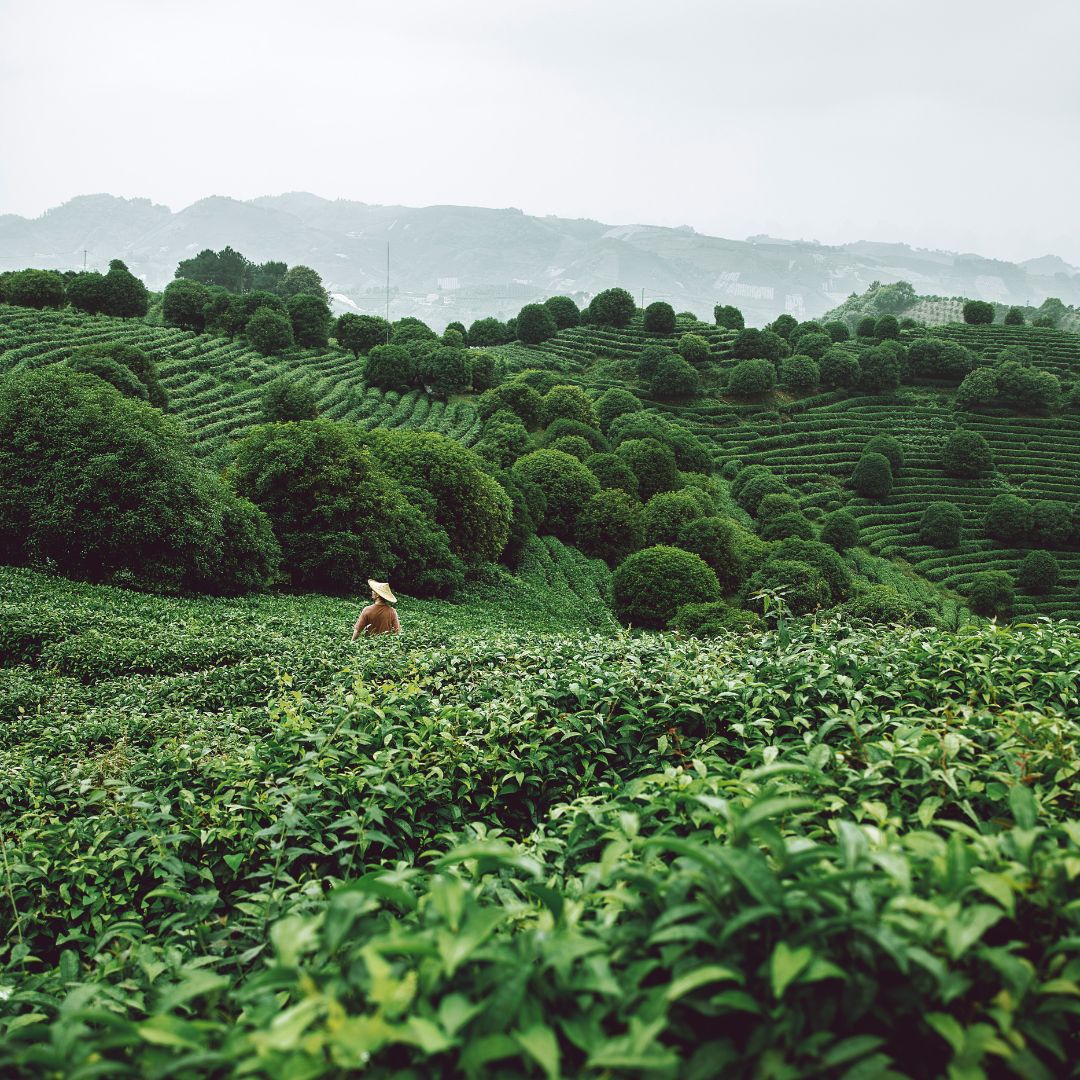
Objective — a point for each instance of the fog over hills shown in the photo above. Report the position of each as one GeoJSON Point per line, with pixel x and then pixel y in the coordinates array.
{"type": "Point", "coordinates": [461, 262]}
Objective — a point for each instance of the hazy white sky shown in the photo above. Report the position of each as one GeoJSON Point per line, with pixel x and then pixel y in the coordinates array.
{"type": "Point", "coordinates": [942, 123]}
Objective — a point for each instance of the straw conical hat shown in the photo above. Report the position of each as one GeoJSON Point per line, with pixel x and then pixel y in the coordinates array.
{"type": "Point", "coordinates": [381, 588]}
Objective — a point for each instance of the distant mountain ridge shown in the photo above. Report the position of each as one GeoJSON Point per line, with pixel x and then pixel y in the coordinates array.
{"type": "Point", "coordinates": [461, 262]}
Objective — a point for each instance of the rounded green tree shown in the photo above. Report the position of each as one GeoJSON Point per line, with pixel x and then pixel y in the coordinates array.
{"type": "Point", "coordinates": [650, 586]}
{"type": "Point", "coordinates": [659, 318]}
{"type": "Point", "coordinates": [873, 477]}
{"type": "Point", "coordinates": [967, 455]}
{"type": "Point", "coordinates": [940, 525]}
{"type": "Point", "coordinates": [1038, 573]}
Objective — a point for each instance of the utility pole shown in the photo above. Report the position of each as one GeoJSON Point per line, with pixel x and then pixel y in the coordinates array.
{"type": "Point", "coordinates": [643, 298]}
{"type": "Point", "coordinates": [84, 260]}
{"type": "Point", "coordinates": [387, 292]}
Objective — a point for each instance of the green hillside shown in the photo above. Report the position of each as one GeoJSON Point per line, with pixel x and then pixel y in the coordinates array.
{"type": "Point", "coordinates": [216, 385]}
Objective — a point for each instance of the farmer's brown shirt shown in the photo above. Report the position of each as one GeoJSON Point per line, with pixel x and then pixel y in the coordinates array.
{"type": "Point", "coordinates": [378, 619]}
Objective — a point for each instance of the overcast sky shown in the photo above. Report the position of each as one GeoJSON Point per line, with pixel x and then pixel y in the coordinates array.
{"type": "Point", "coordinates": [940, 123]}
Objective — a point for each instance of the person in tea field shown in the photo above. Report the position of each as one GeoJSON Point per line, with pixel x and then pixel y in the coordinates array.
{"type": "Point", "coordinates": [380, 616]}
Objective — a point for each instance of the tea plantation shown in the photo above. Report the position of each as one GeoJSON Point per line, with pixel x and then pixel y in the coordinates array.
{"type": "Point", "coordinates": [216, 385]}
{"type": "Point", "coordinates": [520, 838]}
{"type": "Point", "coordinates": [515, 842]}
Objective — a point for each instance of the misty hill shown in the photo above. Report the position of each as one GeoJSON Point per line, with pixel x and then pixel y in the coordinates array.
{"type": "Point", "coordinates": [459, 262]}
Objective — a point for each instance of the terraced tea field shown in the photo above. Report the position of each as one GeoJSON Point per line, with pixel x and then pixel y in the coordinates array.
{"type": "Point", "coordinates": [216, 385]}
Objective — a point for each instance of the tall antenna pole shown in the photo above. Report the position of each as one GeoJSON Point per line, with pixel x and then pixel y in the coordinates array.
{"type": "Point", "coordinates": [388, 292]}
{"type": "Point", "coordinates": [643, 297]}
{"type": "Point", "coordinates": [84, 260]}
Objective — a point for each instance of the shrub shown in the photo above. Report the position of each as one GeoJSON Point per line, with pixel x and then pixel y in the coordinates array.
{"type": "Point", "coordinates": [570, 402]}
{"type": "Point", "coordinates": [978, 313]}
{"type": "Point", "coordinates": [69, 441]}
{"type": "Point", "coordinates": [754, 491]}
{"type": "Point", "coordinates": [563, 310]}
{"type": "Point", "coordinates": [613, 403]}
{"type": "Point", "coordinates": [487, 333]}
{"type": "Point", "coordinates": [800, 586]}
{"type": "Point", "coordinates": [665, 515]}
{"type": "Point", "coordinates": [609, 526]}
{"type": "Point", "coordinates": [566, 483]}
{"type": "Point", "coordinates": [340, 519]}
{"type": "Point", "coordinates": [674, 378]}
{"type": "Point", "coordinates": [978, 390]}
{"type": "Point", "coordinates": [288, 399]}
{"type": "Point", "coordinates": [1027, 388]}
{"type": "Point", "coordinates": [991, 593]}
{"type": "Point", "coordinates": [751, 344]}
{"type": "Point", "coordinates": [561, 427]}
{"type": "Point", "coordinates": [361, 333]}
{"type": "Point", "coordinates": [840, 530]}
{"type": "Point", "coordinates": [934, 358]}
{"type": "Point", "coordinates": [121, 378]}
{"type": "Point", "coordinates": [466, 502]}
{"type": "Point", "coordinates": [784, 526]}
{"type": "Point", "coordinates": [814, 345]}
{"type": "Point", "coordinates": [535, 324]}
{"type": "Point", "coordinates": [310, 318]}
{"type": "Point", "coordinates": [799, 373]}
{"type": "Point", "coordinates": [752, 378]}
{"type": "Point", "coordinates": [872, 478]}
{"type": "Point", "coordinates": [87, 292]}
{"type": "Point", "coordinates": [778, 503]}
{"type": "Point", "coordinates": [1009, 519]}
{"type": "Point", "coordinates": [731, 318]}
{"type": "Point", "coordinates": [1014, 317]}
{"type": "Point", "coordinates": [865, 327]}
{"type": "Point", "coordinates": [409, 329]}
{"type": "Point", "coordinates": [1052, 523]}
{"type": "Point", "coordinates": [613, 472]}
{"type": "Point", "coordinates": [389, 367]}
{"type": "Point", "coordinates": [650, 586]}
{"type": "Point", "coordinates": [839, 368]}
{"type": "Point", "coordinates": [125, 296]}
{"type": "Point", "coordinates": [694, 349]}
{"type": "Point", "coordinates": [269, 332]}
{"type": "Point", "coordinates": [659, 318]}
{"type": "Point", "coordinates": [1038, 572]}
{"type": "Point", "coordinates": [880, 369]}
{"type": "Point", "coordinates": [574, 445]}
{"type": "Point", "coordinates": [713, 619]}
{"type": "Point", "coordinates": [883, 605]}
{"type": "Point", "coordinates": [481, 369]}
{"type": "Point", "coordinates": [612, 307]}
{"type": "Point", "coordinates": [744, 475]}
{"type": "Point", "coordinates": [837, 330]}
{"type": "Point", "coordinates": [820, 556]}
{"type": "Point", "coordinates": [183, 304]}
{"type": "Point", "coordinates": [887, 328]}
{"type": "Point", "coordinates": [523, 401]}
{"type": "Point", "coordinates": [940, 525]}
{"type": "Point", "coordinates": [504, 439]}
{"type": "Point", "coordinates": [967, 455]}
{"type": "Point", "coordinates": [444, 371]}
{"type": "Point", "coordinates": [726, 547]}
{"type": "Point", "coordinates": [652, 463]}
{"type": "Point", "coordinates": [785, 326]}
{"type": "Point", "coordinates": [35, 289]}
{"type": "Point", "coordinates": [890, 448]}
{"type": "Point", "coordinates": [650, 359]}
